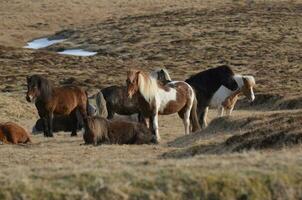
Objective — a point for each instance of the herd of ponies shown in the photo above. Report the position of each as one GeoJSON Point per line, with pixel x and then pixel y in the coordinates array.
{"type": "Point", "coordinates": [128, 114]}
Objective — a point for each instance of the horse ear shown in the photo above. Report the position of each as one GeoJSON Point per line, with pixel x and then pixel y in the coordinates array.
{"type": "Point", "coordinates": [245, 81]}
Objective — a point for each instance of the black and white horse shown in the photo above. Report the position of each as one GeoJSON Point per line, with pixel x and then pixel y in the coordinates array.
{"type": "Point", "coordinates": [214, 85]}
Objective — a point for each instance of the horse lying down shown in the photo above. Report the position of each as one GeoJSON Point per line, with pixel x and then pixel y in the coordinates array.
{"type": "Point", "coordinates": [11, 133]}
{"type": "Point", "coordinates": [99, 130]}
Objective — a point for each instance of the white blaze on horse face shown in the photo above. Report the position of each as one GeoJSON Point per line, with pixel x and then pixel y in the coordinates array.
{"type": "Point", "coordinates": [252, 94]}
{"type": "Point", "coordinates": [164, 97]}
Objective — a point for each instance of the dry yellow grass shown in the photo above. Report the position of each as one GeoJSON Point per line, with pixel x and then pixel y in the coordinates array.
{"type": "Point", "coordinates": [229, 160]}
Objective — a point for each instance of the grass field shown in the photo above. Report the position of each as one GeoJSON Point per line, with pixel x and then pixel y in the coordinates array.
{"type": "Point", "coordinates": [254, 154]}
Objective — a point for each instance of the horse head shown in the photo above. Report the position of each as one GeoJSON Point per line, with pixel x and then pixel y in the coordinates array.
{"type": "Point", "coordinates": [132, 82]}
{"type": "Point", "coordinates": [161, 75]}
{"type": "Point", "coordinates": [247, 88]}
{"type": "Point", "coordinates": [37, 87]}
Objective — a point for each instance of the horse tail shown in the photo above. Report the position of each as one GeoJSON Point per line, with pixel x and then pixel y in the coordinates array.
{"type": "Point", "coordinates": [193, 115]}
{"type": "Point", "coordinates": [87, 105]}
{"type": "Point", "coordinates": [101, 105]}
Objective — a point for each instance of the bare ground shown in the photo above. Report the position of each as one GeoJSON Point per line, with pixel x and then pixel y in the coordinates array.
{"type": "Point", "coordinates": [254, 154]}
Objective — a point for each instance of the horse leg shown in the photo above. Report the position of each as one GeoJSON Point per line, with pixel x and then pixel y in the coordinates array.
{"type": "Point", "coordinates": [220, 111]}
{"type": "Point", "coordinates": [45, 130]}
{"type": "Point", "coordinates": [184, 114]}
{"type": "Point", "coordinates": [202, 115]}
{"type": "Point", "coordinates": [74, 120]}
{"type": "Point", "coordinates": [205, 123]}
{"type": "Point", "coordinates": [229, 111]}
{"type": "Point", "coordinates": [186, 120]}
{"type": "Point", "coordinates": [50, 124]}
{"type": "Point", "coordinates": [154, 126]}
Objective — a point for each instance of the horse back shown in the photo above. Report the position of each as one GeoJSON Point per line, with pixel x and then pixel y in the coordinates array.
{"type": "Point", "coordinates": [65, 99]}
{"type": "Point", "coordinates": [117, 99]}
{"type": "Point", "coordinates": [175, 96]}
{"type": "Point", "coordinates": [13, 133]}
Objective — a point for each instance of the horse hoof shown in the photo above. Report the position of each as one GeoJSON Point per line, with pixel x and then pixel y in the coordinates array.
{"type": "Point", "coordinates": [73, 135]}
{"type": "Point", "coordinates": [154, 141]}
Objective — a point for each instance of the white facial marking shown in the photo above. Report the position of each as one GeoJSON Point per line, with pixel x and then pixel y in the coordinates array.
{"type": "Point", "coordinates": [252, 95]}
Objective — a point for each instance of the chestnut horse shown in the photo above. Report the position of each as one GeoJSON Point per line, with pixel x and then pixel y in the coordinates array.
{"type": "Point", "coordinates": [156, 98]}
{"type": "Point", "coordinates": [11, 133]}
{"type": "Point", "coordinates": [50, 101]}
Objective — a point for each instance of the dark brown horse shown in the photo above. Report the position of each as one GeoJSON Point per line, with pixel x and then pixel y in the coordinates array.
{"type": "Point", "coordinates": [50, 101]}
{"type": "Point", "coordinates": [11, 133]}
{"type": "Point", "coordinates": [62, 122]}
{"type": "Point", "coordinates": [99, 130]}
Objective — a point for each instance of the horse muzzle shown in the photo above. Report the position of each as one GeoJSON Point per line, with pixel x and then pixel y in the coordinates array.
{"type": "Point", "coordinates": [252, 98]}
{"type": "Point", "coordinates": [129, 94]}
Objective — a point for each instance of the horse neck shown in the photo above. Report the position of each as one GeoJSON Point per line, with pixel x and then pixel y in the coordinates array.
{"type": "Point", "coordinates": [147, 87]}
{"type": "Point", "coordinates": [239, 81]}
{"type": "Point", "coordinates": [46, 92]}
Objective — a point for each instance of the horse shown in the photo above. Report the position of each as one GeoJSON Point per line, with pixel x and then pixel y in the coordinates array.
{"type": "Point", "coordinates": [155, 98]}
{"type": "Point", "coordinates": [99, 130]}
{"type": "Point", "coordinates": [11, 133]}
{"type": "Point", "coordinates": [62, 122]}
{"type": "Point", "coordinates": [50, 101]}
{"type": "Point", "coordinates": [205, 85]}
{"type": "Point", "coordinates": [116, 101]}
{"type": "Point", "coordinates": [225, 99]}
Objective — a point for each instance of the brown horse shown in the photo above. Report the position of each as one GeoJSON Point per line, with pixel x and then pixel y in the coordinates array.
{"type": "Point", "coordinates": [175, 96]}
{"type": "Point", "coordinates": [99, 130]}
{"type": "Point", "coordinates": [11, 133]}
{"type": "Point", "coordinates": [50, 101]}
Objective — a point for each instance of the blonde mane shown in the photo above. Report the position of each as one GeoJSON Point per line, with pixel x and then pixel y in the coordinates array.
{"type": "Point", "coordinates": [147, 86]}
{"type": "Point", "coordinates": [250, 80]}
{"type": "Point", "coordinates": [239, 79]}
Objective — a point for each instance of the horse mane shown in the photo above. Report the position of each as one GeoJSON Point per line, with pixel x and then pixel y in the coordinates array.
{"type": "Point", "coordinates": [251, 80]}
{"type": "Point", "coordinates": [44, 86]}
{"type": "Point", "coordinates": [239, 79]}
{"type": "Point", "coordinates": [221, 69]}
{"type": "Point", "coordinates": [154, 74]}
{"type": "Point", "coordinates": [147, 86]}
{"type": "Point", "coordinates": [167, 75]}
